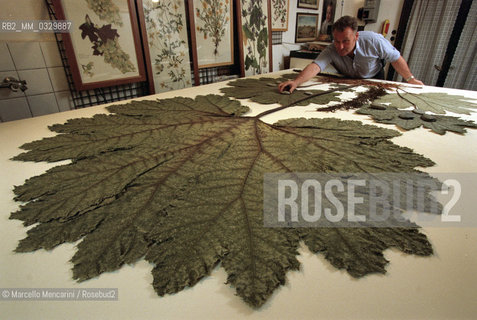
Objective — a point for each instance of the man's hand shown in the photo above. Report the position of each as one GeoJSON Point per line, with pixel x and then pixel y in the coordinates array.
{"type": "Point", "coordinates": [306, 74]}
{"type": "Point", "coordinates": [289, 86]}
{"type": "Point", "coordinates": [415, 81]}
{"type": "Point", "coordinates": [400, 65]}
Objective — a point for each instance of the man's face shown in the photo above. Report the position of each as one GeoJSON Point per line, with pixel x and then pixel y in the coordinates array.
{"type": "Point", "coordinates": [345, 41]}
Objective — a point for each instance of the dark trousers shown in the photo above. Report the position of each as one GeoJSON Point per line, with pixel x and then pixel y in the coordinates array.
{"type": "Point", "coordinates": [380, 74]}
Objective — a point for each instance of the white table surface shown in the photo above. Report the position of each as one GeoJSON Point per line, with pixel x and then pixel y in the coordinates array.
{"type": "Point", "coordinates": [442, 286]}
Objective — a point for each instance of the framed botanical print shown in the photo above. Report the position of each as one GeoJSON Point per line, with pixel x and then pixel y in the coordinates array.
{"type": "Point", "coordinates": [255, 38]}
{"type": "Point", "coordinates": [306, 27]}
{"type": "Point", "coordinates": [213, 21]}
{"type": "Point", "coordinates": [308, 4]}
{"type": "Point", "coordinates": [165, 28]}
{"type": "Point", "coordinates": [280, 10]}
{"type": "Point", "coordinates": [104, 47]}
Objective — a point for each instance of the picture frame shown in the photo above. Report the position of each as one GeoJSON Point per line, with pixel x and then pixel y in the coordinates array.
{"type": "Point", "coordinates": [280, 13]}
{"type": "Point", "coordinates": [166, 44]}
{"type": "Point", "coordinates": [327, 20]}
{"type": "Point", "coordinates": [213, 34]}
{"type": "Point", "coordinates": [306, 27]}
{"type": "Point", "coordinates": [103, 48]}
{"type": "Point", "coordinates": [308, 4]}
{"type": "Point", "coordinates": [255, 43]}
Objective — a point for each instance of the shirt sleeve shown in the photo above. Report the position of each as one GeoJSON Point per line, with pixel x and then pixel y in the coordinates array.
{"type": "Point", "coordinates": [385, 49]}
{"type": "Point", "coordinates": [324, 58]}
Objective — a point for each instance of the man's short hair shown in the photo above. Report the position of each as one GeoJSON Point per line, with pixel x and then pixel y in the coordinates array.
{"type": "Point", "coordinates": [346, 22]}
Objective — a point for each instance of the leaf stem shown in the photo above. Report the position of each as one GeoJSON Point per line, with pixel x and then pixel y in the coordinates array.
{"type": "Point", "coordinates": [400, 96]}
{"type": "Point", "coordinates": [417, 97]}
{"type": "Point", "coordinates": [302, 99]}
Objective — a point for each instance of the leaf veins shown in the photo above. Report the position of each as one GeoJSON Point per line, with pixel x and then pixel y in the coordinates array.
{"type": "Point", "coordinates": [428, 101]}
{"type": "Point", "coordinates": [265, 90]}
{"type": "Point", "coordinates": [179, 182]}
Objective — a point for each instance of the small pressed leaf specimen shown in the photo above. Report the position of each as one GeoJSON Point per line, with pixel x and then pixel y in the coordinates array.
{"type": "Point", "coordinates": [88, 69]}
{"type": "Point", "coordinates": [179, 183]}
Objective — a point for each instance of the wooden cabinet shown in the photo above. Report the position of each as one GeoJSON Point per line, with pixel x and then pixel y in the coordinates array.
{"type": "Point", "coordinates": [301, 58]}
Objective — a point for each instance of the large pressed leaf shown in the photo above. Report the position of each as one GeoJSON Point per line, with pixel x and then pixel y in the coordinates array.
{"type": "Point", "coordinates": [429, 101]}
{"type": "Point", "coordinates": [265, 90]}
{"type": "Point", "coordinates": [179, 182]}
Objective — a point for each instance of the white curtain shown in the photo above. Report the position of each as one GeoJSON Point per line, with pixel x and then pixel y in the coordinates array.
{"type": "Point", "coordinates": [463, 71]}
{"type": "Point", "coordinates": [425, 42]}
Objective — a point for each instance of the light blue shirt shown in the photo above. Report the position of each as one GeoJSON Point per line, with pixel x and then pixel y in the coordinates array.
{"type": "Point", "coordinates": [370, 49]}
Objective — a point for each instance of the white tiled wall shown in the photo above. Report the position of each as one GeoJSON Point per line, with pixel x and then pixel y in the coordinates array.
{"type": "Point", "coordinates": [39, 63]}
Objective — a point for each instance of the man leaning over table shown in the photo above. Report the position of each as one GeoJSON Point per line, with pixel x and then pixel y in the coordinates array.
{"type": "Point", "coordinates": [355, 55]}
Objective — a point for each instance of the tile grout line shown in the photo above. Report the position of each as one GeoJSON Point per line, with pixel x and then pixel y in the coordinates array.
{"type": "Point", "coordinates": [18, 76]}
{"type": "Point", "coordinates": [49, 77]}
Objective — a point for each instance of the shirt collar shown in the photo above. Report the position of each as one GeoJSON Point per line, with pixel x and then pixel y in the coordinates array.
{"type": "Point", "coordinates": [356, 47]}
